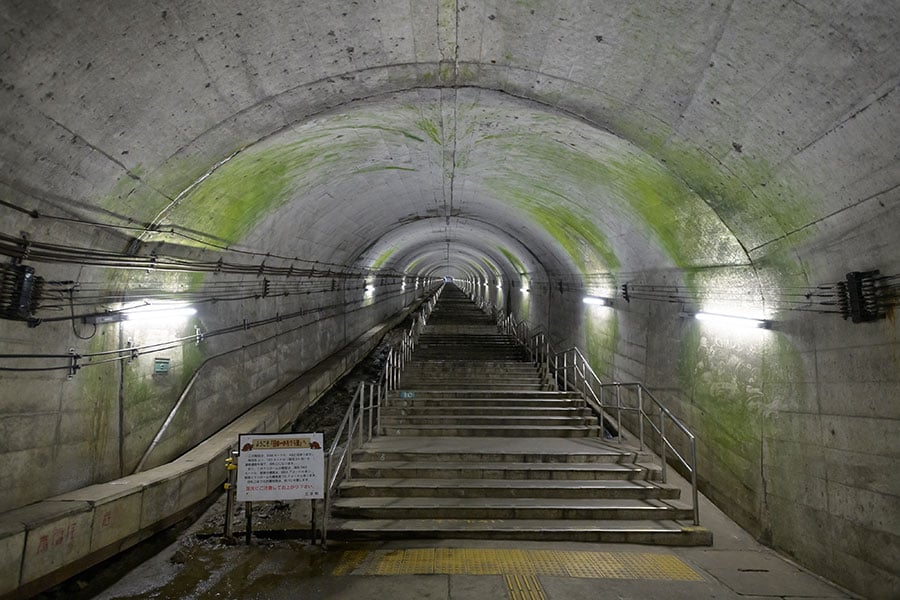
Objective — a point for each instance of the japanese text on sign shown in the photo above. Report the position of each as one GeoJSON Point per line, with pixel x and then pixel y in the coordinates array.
{"type": "Point", "coordinates": [281, 467]}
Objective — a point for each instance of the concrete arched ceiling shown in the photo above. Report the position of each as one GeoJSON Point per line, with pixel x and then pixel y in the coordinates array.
{"type": "Point", "coordinates": [570, 138]}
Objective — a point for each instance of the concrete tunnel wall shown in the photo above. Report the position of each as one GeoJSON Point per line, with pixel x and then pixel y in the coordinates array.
{"type": "Point", "coordinates": [733, 157]}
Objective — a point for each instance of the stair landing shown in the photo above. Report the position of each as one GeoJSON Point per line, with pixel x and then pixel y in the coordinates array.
{"type": "Point", "coordinates": [510, 488]}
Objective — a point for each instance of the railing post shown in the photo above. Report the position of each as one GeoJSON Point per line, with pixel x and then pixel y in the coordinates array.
{"type": "Point", "coordinates": [556, 370]}
{"type": "Point", "coordinates": [619, 410]}
{"type": "Point", "coordinates": [640, 391]}
{"type": "Point", "coordinates": [602, 429]}
{"type": "Point", "coordinates": [694, 481]}
{"type": "Point", "coordinates": [381, 399]}
{"type": "Point", "coordinates": [349, 450]}
{"type": "Point", "coordinates": [395, 379]}
{"type": "Point", "coordinates": [371, 409]}
{"type": "Point", "coordinates": [662, 437]}
{"type": "Point", "coordinates": [327, 497]}
{"type": "Point", "coordinates": [566, 372]}
{"type": "Point", "coordinates": [362, 414]}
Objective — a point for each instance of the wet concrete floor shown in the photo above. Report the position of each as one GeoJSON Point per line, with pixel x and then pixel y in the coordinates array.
{"type": "Point", "coordinates": [199, 565]}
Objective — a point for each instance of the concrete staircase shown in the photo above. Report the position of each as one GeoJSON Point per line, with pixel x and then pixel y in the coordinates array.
{"type": "Point", "coordinates": [476, 444]}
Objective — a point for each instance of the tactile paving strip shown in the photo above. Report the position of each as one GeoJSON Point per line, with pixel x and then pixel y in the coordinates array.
{"type": "Point", "coordinates": [350, 560]}
{"type": "Point", "coordinates": [526, 563]}
{"type": "Point", "coordinates": [524, 587]}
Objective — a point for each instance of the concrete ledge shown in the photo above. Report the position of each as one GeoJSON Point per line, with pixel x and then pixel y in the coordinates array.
{"type": "Point", "coordinates": [56, 533]}
{"type": "Point", "coordinates": [47, 542]}
{"type": "Point", "coordinates": [12, 548]}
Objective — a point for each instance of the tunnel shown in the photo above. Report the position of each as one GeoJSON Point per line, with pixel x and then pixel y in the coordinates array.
{"type": "Point", "coordinates": [202, 202]}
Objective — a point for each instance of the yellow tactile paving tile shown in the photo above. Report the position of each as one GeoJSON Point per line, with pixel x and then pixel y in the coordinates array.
{"type": "Point", "coordinates": [525, 563]}
{"type": "Point", "coordinates": [524, 587]}
{"type": "Point", "coordinates": [449, 561]}
{"type": "Point", "coordinates": [350, 561]}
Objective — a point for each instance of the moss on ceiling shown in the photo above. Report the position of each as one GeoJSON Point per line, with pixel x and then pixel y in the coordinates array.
{"type": "Point", "coordinates": [597, 196]}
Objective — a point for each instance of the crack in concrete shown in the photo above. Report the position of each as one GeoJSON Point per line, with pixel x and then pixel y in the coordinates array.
{"type": "Point", "coordinates": [826, 217]}
{"type": "Point", "coordinates": [154, 224]}
{"type": "Point", "coordinates": [851, 116]}
{"type": "Point", "coordinates": [95, 148]}
{"type": "Point", "coordinates": [713, 46]}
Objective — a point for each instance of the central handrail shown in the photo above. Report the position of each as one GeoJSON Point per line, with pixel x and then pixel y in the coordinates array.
{"type": "Point", "coordinates": [572, 371]}
{"type": "Point", "coordinates": [363, 417]}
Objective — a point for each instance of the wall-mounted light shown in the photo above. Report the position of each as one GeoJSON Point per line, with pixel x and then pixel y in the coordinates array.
{"type": "Point", "coordinates": [597, 300]}
{"type": "Point", "coordinates": [158, 313]}
{"type": "Point", "coordinates": [524, 290]}
{"type": "Point", "coordinates": [732, 320]}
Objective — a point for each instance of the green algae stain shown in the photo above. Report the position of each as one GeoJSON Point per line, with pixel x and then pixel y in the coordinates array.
{"type": "Point", "coordinates": [722, 379]}
{"type": "Point", "coordinates": [412, 265]}
{"type": "Point", "coordinates": [99, 398]}
{"type": "Point", "coordinates": [233, 198]}
{"type": "Point", "coordinates": [513, 260]}
{"type": "Point", "coordinates": [524, 309]}
{"type": "Point", "coordinates": [783, 375]}
{"type": "Point", "coordinates": [375, 168]}
{"type": "Point", "coordinates": [384, 128]}
{"type": "Point", "coordinates": [447, 72]}
{"type": "Point", "coordinates": [747, 194]}
{"type": "Point", "coordinates": [254, 183]}
{"type": "Point", "coordinates": [192, 357]}
{"type": "Point", "coordinates": [492, 266]}
{"type": "Point", "coordinates": [578, 235]}
{"type": "Point", "coordinates": [601, 330]}
{"type": "Point", "coordinates": [564, 188]}
{"type": "Point", "coordinates": [735, 380]}
{"type": "Point", "coordinates": [687, 230]}
{"type": "Point", "coordinates": [383, 257]}
{"type": "Point", "coordinates": [431, 130]}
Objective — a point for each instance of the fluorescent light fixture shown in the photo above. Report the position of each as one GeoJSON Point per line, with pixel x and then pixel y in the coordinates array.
{"type": "Point", "coordinates": [159, 312]}
{"type": "Point", "coordinates": [524, 290]}
{"type": "Point", "coordinates": [732, 320]}
{"type": "Point", "coordinates": [597, 300]}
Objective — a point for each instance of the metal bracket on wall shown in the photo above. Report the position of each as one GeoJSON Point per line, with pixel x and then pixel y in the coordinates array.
{"type": "Point", "coordinates": [132, 351]}
{"type": "Point", "coordinates": [73, 363]}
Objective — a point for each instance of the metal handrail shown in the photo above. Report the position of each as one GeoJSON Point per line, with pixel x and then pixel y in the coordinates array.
{"type": "Point", "coordinates": [576, 374]}
{"type": "Point", "coordinates": [363, 417]}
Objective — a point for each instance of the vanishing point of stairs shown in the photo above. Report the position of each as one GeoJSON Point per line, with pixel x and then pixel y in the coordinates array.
{"type": "Point", "coordinates": [477, 443]}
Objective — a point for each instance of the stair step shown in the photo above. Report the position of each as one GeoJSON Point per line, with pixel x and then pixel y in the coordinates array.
{"type": "Point", "coordinates": [445, 363]}
{"type": "Point", "coordinates": [507, 456]}
{"type": "Point", "coordinates": [430, 410]}
{"type": "Point", "coordinates": [509, 508]}
{"type": "Point", "coordinates": [498, 450]}
{"type": "Point", "coordinates": [506, 488]}
{"type": "Point", "coordinates": [449, 376]}
{"type": "Point", "coordinates": [475, 386]}
{"type": "Point", "coordinates": [492, 430]}
{"type": "Point", "coordinates": [501, 404]}
{"type": "Point", "coordinates": [664, 532]}
{"type": "Point", "coordinates": [489, 394]}
{"type": "Point", "coordinates": [502, 470]}
{"type": "Point", "coordinates": [492, 421]}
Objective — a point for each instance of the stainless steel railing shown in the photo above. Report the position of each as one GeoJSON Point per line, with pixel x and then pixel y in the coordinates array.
{"type": "Point", "coordinates": [362, 420]}
{"type": "Point", "coordinates": [641, 409]}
